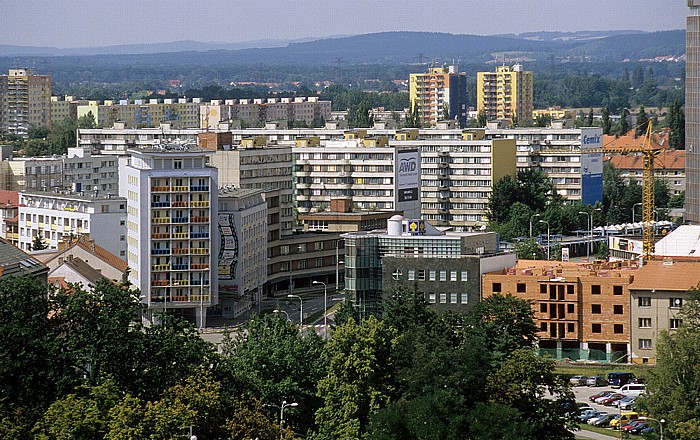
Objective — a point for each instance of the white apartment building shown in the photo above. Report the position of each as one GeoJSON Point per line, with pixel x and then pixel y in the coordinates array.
{"type": "Point", "coordinates": [58, 216]}
{"type": "Point", "coordinates": [242, 259]}
{"type": "Point", "coordinates": [119, 138]}
{"type": "Point", "coordinates": [87, 172]}
{"type": "Point", "coordinates": [377, 176]}
{"type": "Point", "coordinates": [171, 194]}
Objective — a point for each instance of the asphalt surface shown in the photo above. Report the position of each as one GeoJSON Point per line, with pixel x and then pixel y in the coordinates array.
{"type": "Point", "coordinates": [582, 393]}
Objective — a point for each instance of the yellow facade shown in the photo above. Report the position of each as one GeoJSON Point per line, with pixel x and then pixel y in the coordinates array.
{"type": "Point", "coordinates": [506, 93]}
{"type": "Point", "coordinates": [436, 92]}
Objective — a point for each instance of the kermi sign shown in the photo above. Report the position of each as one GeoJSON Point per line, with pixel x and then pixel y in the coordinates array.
{"type": "Point", "coordinates": [591, 165]}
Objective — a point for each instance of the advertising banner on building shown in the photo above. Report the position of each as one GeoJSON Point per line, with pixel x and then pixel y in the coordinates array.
{"type": "Point", "coordinates": [408, 175]}
{"type": "Point", "coordinates": [591, 165]}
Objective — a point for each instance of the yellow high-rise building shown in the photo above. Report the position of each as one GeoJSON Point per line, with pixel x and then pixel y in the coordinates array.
{"type": "Point", "coordinates": [506, 93]}
{"type": "Point", "coordinates": [25, 101]}
{"type": "Point", "coordinates": [439, 94]}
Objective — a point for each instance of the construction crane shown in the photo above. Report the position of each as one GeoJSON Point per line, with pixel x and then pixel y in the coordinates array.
{"type": "Point", "coordinates": [649, 154]}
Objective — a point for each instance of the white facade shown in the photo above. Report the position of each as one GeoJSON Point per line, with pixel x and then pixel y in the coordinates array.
{"type": "Point", "coordinates": [170, 194]}
{"type": "Point", "coordinates": [87, 172]}
{"type": "Point", "coordinates": [58, 216]}
{"type": "Point", "coordinates": [242, 260]}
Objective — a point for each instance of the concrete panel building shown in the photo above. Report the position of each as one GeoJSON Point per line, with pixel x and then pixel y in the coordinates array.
{"type": "Point", "coordinates": [692, 113]}
{"type": "Point", "coordinates": [506, 94]}
{"type": "Point", "coordinates": [25, 101]}
{"type": "Point", "coordinates": [440, 93]}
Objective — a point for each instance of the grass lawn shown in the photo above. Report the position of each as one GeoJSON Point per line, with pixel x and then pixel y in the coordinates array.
{"type": "Point", "coordinates": [604, 431]}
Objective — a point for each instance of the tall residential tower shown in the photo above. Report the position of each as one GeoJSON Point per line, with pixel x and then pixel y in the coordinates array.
{"type": "Point", "coordinates": [25, 101]}
{"type": "Point", "coordinates": [506, 93]}
{"type": "Point", "coordinates": [692, 113]}
{"type": "Point", "coordinates": [439, 94]}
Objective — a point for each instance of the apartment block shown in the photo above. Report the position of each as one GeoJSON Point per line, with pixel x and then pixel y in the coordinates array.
{"type": "Point", "coordinates": [439, 94]}
{"type": "Point", "coordinates": [171, 195]}
{"type": "Point", "coordinates": [25, 101]}
{"type": "Point", "coordinates": [242, 258]}
{"type": "Point", "coordinates": [692, 112]}
{"type": "Point", "coordinates": [310, 111]}
{"type": "Point", "coordinates": [582, 310]}
{"type": "Point", "coordinates": [506, 94]}
{"type": "Point", "coordinates": [658, 293]}
{"type": "Point", "coordinates": [180, 114]}
{"type": "Point", "coordinates": [58, 216]}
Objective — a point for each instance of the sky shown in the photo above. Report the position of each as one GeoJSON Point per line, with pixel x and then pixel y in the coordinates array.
{"type": "Point", "coordinates": [85, 23]}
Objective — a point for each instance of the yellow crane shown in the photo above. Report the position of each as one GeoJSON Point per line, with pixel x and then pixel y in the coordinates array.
{"type": "Point", "coordinates": [649, 154]}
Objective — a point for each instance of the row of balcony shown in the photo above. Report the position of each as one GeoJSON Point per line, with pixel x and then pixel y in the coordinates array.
{"type": "Point", "coordinates": [181, 251]}
{"type": "Point", "coordinates": [169, 267]}
{"type": "Point", "coordinates": [193, 219]}
{"type": "Point", "coordinates": [180, 298]}
{"type": "Point", "coordinates": [178, 235]}
{"type": "Point", "coordinates": [179, 283]}
{"type": "Point", "coordinates": [192, 188]}
{"type": "Point", "coordinates": [181, 204]}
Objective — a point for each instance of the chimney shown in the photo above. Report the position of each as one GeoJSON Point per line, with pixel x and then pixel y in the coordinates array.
{"type": "Point", "coordinates": [341, 204]}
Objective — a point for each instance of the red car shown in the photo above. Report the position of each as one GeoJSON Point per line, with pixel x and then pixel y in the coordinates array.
{"type": "Point", "coordinates": [631, 424]}
{"type": "Point", "coordinates": [612, 398]}
{"type": "Point", "coordinates": [601, 394]}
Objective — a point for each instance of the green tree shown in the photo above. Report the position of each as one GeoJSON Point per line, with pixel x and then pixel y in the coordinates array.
{"type": "Point", "coordinates": [503, 195]}
{"type": "Point", "coordinates": [358, 383]}
{"type": "Point", "coordinates": [529, 250]}
{"type": "Point", "coordinates": [613, 189]}
{"type": "Point", "coordinates": [413, 118]}
{"type": "Point", "coordinates": [642, 122]}
{"type": "Point", "coordinates": [481, 118]}
{"type": "Point", "coordinates": [543, 121]}
{"type": "Point", "coordinates": [589, 118]}
{"type": "Point", "coordinates": [360, 116]}
{"type": "Point", "coordinates": [676, 122]}
{"type": "Point", "coordinates": [38, 243]}
{"type": "Point", "coordinates": [607, 122]}
{"type": "Point", "coordinates": [637, 76]}
{"type": "Point", "coordinates": [248, 420]}
{"type": "Point", "coordinates": [273, 362]}
{"type": "Point", "coordinates": [624, 123]}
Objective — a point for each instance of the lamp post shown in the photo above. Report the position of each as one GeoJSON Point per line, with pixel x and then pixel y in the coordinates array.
{"type": "Point", "coordinates": [284, 405]}
{"type": "Point", "coordinates": [633, 206]}
{"type": "Point", "coordinates": [588, 242]}
{"type": "Point", "coordinates": [301, 309]}
{"type": "Point", "coordinates": [337, 264]}
{"type": "Point", "coordinates": [545, 221]}
{"type": "Point", "coordinates": [325, 307]}
{"type": "Point", "coordinates": [531, 217]}
{"type": "Point", "coordinates": [282, 311]}
{"type": "Point", "coordinates": [661, 425]}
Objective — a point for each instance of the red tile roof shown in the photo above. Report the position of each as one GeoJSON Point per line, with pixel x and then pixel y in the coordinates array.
{"type": "Point", "coordinates": [667, 160]}
{"type": "Point", "coordinates": [678, 276]}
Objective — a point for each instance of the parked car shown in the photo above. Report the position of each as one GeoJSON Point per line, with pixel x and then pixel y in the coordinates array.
{"type": "Point", "coordinates": [623, 419]}
{"type": "Point", "coordinates": [578, 380]}
{"type": "Point", "coordinates": [626, 402]}
{"type": "Point", "coordinates": [612, 399]}
{"type": "Point", "coordinates": [603, 422]}
{"type": "Point", "coordinates": [596, 381]}
{"type": "Point", "coordinates": [600, 399]}
{"type": "Point", "coordinates": [631, 425]}
{"type": "Point", "coordinates": [598, 416]}
{"type": "Point", "coordinates": [638, 428]}
{"type": "Point", "coordinates": [585, 415]}
{"type": "Point", "coordinates": [602, 394]}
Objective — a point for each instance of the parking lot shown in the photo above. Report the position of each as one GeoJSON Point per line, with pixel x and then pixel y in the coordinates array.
{"type": "Point", "coordinates": [582, 394]}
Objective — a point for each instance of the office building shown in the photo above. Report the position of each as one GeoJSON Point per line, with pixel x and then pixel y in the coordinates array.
{"type": "Point", "coordinates": [57, 216]}
{"type": "Point", "coordinates": [25, 101]}
{"type": "Point", "coordinates": [171, 194]}
{"type": "Point", "coordinates": [692, 113]}
{"type": "Point", "coordinates": [582, 310]}
{"type": "Point", "coordinates": [446, 266]}
{"type": "Point", "coordinates": [439, 94]}
{"type": "Point", "coordinates": [242, 258]}
{"type": "Point", "coordinates": [506, 94]}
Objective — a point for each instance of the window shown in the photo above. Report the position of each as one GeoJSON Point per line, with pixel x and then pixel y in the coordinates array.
{"type": "Point", "coordinates": [443, 275]}
{"type": "Point", "coordinates": [411, 275]}
{"type": "Point", "coordinates": [177, 164]}
{"type": "Point", "coordinates": [595, 309]}
{"type": "Point", "coordinates": [543, 307]}
{"type": "Point", "coordinates": [443, 298]}
{"type": "Point", "coordinates": [464, 275]}
{"type": "Point", "coordinates": [596, 328]}
{"type": "Point", "coordinates": [319, 262]}
{"type": "Point", "coordinates": [570, 289]}
{"type": "Point", "coordinates": [496, 287]}
{"type": "Point", "coordinates": [421, 275]}
{"type": "Point", "coordinates": [644, 322]}
{"type": "Point", "coordinates": [397, 274]}
{"type": "Point", "coordinates": [645, 344]}
{"type": "Point", "coordinates": [465, 298]}
{"type": "Point", "coordinates": [318, 246]}
{"type": "Point", "coordinates": [644, 301]}
{"type": "Point", "coordinates": [543, 288]}
{"type": "Point", "coordinates": [570, 327]}
{"type": "Point", "coordinates": [675, 323]}
{"type": "Point", "coordinates": [617, 290]}
{"type": "Point", "coordinates": [595, 289]}
{"type": "Point", "coordinates": [431, 297]}
{"type": "Point", "coordinates": [617, 309]}
{"type": "Point", "coordinates": [521, 288]}
{"type": "Point", "coordinates": [618, 328]}
{"type": "Point", "coordinates": [453, 275]}
{"type": "Point", "coordinates": [543, 326]}
{"type": "Point", "coordinates": [453, 298]}
{"type": "Point", "coordinates": [675, 303]}
{"type": "Point", "coordinates": [569, 308]}
{"type": "Point", "coordinates": [432, 275]}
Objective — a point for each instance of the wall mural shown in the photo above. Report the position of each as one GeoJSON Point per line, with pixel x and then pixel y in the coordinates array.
{"type": "Point", "coordinates": [228, 253]}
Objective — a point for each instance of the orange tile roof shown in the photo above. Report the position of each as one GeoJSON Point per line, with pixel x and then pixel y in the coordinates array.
{"type": "Point", "coordinates": [102, 253]}
{"type": "Point", "coordinates": [629, 141]}
{"type": "Point", "coordinates": [667, 160]}
{"type": "Point", "coordinates": [9, 198]}
{"type": "Point", "coordinates": [679, 276]}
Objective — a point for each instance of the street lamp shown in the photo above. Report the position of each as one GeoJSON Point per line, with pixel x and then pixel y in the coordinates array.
{"type": "Point", "coordinates": [590, 228]}
{"type": "Point", "coordinates": [281, 408]}
{"type": "Point", "coordinates": [531, 217]}
{"type": "Point", "coordinates": [325, 307]}
{"type": "Point", "coordinates": [282, 311]}
{"type": "Point", "coordinates": [337, 264]}
{"type": "Point", "coordinates": [661, 425]}
{"type": "Point", "coordinates": [545, 221]}
{"type": "Point", "coordinates": [633, 206]}
{"type": "Point", "coordinates": [301, 309]}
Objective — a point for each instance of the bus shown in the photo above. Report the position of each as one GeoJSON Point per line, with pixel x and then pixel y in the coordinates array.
{"type": "Point", "coordinates": [617, 379]}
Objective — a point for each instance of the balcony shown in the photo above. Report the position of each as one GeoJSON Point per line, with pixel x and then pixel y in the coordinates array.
{"type": "Point", "coordinates": [181, 251]}
{"type": "Point", "coordinates": [180, 189]}
{"type": "Point", "coordinates": [180, 204]}
{"type": "Point", "coordinates": [200, 235]}
{"type": "Point", "coordinates": [160, 282]}
{"type": "Point", "coordinates": [160, 220]}
{"type": "Point", "coordinates": [160, 189]}
{"type": "Point", "coordinates": [200, 219]}
{"type": "Point", "coordinates": [180, 219]}
{"type": "Point", "coordinates": [160, 251]}
{"type": "Point", "coordinates": [160, 267]}
{"type": "Point", "coordinates": [181, 235]}
{"type": "Point", "coordinates": [199, 188]}
{"type": "Point", "coordinates": [160, 236]}
{"type": "Point", "coordinates": [180, 283]}
{"type": "Point", "coordinates": [160, 205]}
{"type": "Point", "coordinates": [201, 204]}
{"type": "Point", "coordinates": [181, 267]}
{"type": "Point", "coordinates": [199, 266]}
{"type": "Point", "coordinates": [200, 251]}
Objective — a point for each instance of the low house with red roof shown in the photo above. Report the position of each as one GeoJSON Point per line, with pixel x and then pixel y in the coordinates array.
{"type": "Point", "coordinates": [100, 259]}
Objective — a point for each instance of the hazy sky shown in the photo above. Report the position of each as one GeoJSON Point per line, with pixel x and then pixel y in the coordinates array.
{"type": "Point", "coordinates": [74, 23]}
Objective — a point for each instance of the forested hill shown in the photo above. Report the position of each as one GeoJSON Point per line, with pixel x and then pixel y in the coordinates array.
{"type": "Point", "coordinates": [384, 47]}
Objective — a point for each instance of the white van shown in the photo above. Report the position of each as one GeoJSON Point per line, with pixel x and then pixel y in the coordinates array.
{"type": "Point", "coordinates": [633, 389]}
